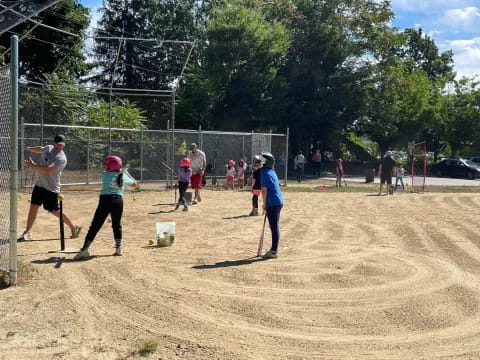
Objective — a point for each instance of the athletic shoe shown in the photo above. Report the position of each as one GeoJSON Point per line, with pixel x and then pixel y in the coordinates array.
{"type": "Point", "coordinates": [185, 208]}
{"type": "Point", "coordinates": [199, 199]}
{"type": "Point", "coordinates": [76, 232]}
{"type": "Point", "coordinates": [194, 202]}
{"type": "Point", "coordinates": [118, 251]}
{"type": "Point", "coordinates": [26, 236]}
{"type": "Point", "coordinates": [82, 255]}
{"type": "Point", "coordinates": [270, 254]}
{"type": "Point", "coordinates": [176, 207]}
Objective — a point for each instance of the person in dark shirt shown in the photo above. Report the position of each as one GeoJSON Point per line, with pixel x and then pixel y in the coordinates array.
{"type": "Point", "coordinates": [256, 186]}
{"type": "Point", "coordinates": [385, 170]}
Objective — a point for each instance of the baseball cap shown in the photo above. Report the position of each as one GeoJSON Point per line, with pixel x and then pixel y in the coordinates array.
{"type": "Point", "coordinates": [388, 153]}
{"type": "Point", "coordinates": [59, 139]}
{"type": "Point", "coordinates": [193, 146]}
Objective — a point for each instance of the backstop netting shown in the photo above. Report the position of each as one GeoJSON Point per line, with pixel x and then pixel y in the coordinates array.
{"type": "Point", "coordinates": [5, 113]}
{"type": "Point", "coordinates": [418, 153]}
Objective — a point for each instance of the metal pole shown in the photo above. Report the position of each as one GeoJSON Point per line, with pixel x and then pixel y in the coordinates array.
{"type": "Point", "coordinates": [22, 155]}
{"type": "Point", "coordinates": [286, 157]}
{"type": "Point", "coordinates": [13, 162]}
{"type": "Point", "coordinates": [42, 115]}
{"type": "Point", "coordinates": [168, 151]}
{"type": "Point", "coordinates": [243, 146]}
{"type": "Point", "coordinates": [172, 164]}
{"type": "Point", "coordinates": [200, 139]}
{"type": "Point", "coordinates": [88, 156]}
{"type": "Point", "coordinates": [141, 153]}
{"type": "Point", "coordinates": [110, 125]}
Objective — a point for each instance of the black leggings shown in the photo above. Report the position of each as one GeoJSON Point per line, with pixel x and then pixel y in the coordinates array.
{"type": "Point", "coordinates": [108, 204]}
{"type": "Point", "coordinates": [255, 201]}
{"type": "Point", "coordinates": [182, 189]}
{"type": "Point", "coordinates": [273, 215]}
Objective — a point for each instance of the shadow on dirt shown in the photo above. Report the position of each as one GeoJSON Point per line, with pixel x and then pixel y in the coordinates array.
{"type": "Point", "coordinates": [229, 263]}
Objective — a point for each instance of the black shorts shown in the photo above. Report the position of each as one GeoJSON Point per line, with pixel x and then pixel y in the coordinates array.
{"type": "Point", "coordinates": [41, 196]}
{"type": "Point", "coordinates": [386, 178]}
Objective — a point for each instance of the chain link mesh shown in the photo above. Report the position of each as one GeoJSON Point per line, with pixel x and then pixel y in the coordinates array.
{"type": "Point", "coordinates": [5, 112]}
{"type": "Point", "coordinates": [147, 151]}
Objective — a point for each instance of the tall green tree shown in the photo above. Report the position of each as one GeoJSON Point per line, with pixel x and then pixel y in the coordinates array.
{"type": "Point", "coordinates": [44, 51]}
{"type": "Point", "coordinates": [319, 91]}
{"type": "Point", "coordinates": [462, 118]}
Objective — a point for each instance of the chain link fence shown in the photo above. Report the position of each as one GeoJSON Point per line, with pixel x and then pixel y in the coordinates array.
{"type": "Point", "coordinates": [5, 112]}
{"type": "Point", "coordinates": [149, 152]}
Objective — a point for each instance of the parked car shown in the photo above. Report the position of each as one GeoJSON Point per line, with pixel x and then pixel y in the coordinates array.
{"type": "Point", "coordinates": [456, 168]}
{"type": "Point", "coordinates": [475, 159]}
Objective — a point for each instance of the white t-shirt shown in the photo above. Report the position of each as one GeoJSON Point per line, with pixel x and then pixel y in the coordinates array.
{"type": "Point", "coordinates": [299, 160]}
{"type": "Point", "coordinates": [198, 161]}
{"type": "Point", "coordinates": [51, 158]}
{"type": "Point", "coordinates": [231, 171]}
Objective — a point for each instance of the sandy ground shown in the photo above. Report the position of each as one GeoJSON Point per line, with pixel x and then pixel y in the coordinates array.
{"type": "Point", "coordinates": [359, 277]}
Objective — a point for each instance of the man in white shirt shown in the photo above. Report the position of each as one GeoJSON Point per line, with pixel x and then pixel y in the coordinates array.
{"type": "Point", "coordinates": [198, 162]}
{"type": "Point", "coordinates": [299, 165]}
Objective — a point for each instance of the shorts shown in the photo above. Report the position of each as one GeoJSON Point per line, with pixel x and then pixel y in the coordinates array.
{"type": "Point", "coordinates": [42, 196]}
{"type": "Point", "coordinates": [386, 178]}
{"type": "Point", "coordinates": [256, 192]}
{"type": "Point", "coordinates": [339, 172]}
{"type": "Point", "coordinates": [230, 179]}
{"type": "Point", "coordinates": [196, 181]}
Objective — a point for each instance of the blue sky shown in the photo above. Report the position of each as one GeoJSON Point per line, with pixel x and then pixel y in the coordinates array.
{"type": "Point", "coordinates": [453, 24]}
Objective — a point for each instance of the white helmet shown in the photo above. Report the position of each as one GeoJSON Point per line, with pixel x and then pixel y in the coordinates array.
{"type": "Point", "coordinates": [267, 159]}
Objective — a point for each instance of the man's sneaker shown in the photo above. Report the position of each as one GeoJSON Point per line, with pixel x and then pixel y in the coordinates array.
{"type": "Point", "coordinates": [185, 208]}
{"type": "Point", "coordinates": [82, 255]}
{"type": "Point", "coordinates": [194, 202]}
{"type": "Point", "coordinates": [270, 254]}
{"type": "Point", "coordinates": [118, 251]}
{"type": "Point", "coordinates": [177, 206]}
{"type": "Point", "coordinates": [76, 232]}
{"type": "Point", "coordinates": [26, 236]}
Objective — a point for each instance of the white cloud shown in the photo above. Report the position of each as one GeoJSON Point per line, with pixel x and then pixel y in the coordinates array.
{"type": "Point", "coordinates": [466, 56]}
{"type": "Point", "coordinates": [466, 19]}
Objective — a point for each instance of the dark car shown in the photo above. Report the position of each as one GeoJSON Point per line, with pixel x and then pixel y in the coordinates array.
{"type": "Point", "coordinates": [456, 168]}
{"type": "Point", "coordinates": [475, 159]}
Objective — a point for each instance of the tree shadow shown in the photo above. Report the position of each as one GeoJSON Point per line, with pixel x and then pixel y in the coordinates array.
{"type": "Point", "coordinates": [25, 241]}
{"type": "Point", "coordinates": [229, 263]}
{"type": "Point", "coordinates": [160, 204]}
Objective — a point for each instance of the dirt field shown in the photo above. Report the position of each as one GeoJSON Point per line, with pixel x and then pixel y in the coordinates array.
{"type": "Point", "coordinates": [359, 277]}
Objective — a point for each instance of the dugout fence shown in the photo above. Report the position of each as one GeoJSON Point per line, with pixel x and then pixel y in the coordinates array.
{"type": "Point", "coordinates": [150, 153]}
{"type": "Point", "coordinates": [9, 165]}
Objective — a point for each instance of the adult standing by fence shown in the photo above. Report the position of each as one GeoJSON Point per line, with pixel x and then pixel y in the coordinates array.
{"type": "Point", "coordinates": [198, 162]}
{"type": "Point", "coordinates": [45, 192]}
{"type": "Point", "coordinates": [299, 165]}
{"type": "Point", "coordinates": [317, 163]}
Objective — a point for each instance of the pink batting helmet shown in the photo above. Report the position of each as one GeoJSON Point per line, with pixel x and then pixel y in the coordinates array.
{"type": "Point", "coordinates": [185, 162]}
{"type": "Point", "coordinates": [112, 163]}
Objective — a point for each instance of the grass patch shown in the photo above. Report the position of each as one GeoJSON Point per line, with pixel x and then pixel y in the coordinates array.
{"type": "Point", "coordinates": [148, 346]}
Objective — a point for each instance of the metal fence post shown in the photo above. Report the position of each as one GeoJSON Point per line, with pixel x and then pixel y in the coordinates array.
{"type": "Point", "coordinates": [42, 115]}
{"type": "Point", "coordinates": [13, 163]}
{"type": "Point", "coordinates": [141, 153]}
{"type": "Point", "coordinates": [286, 156]}
{"type": "Point", "coordinates": [88, 156]}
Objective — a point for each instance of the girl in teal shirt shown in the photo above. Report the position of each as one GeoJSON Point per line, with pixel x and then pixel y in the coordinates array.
{"type": "Point", "coordinates": [114, 183]}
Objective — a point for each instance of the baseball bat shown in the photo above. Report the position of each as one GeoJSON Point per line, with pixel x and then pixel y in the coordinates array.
{"type": "Point", "coordinates": [260, 243]}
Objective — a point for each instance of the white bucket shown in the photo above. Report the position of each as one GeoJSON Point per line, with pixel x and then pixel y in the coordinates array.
{"type": "Point", "coordinates": [165, 233]}
{"type": "Point", "coordinates": [188, 198]}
